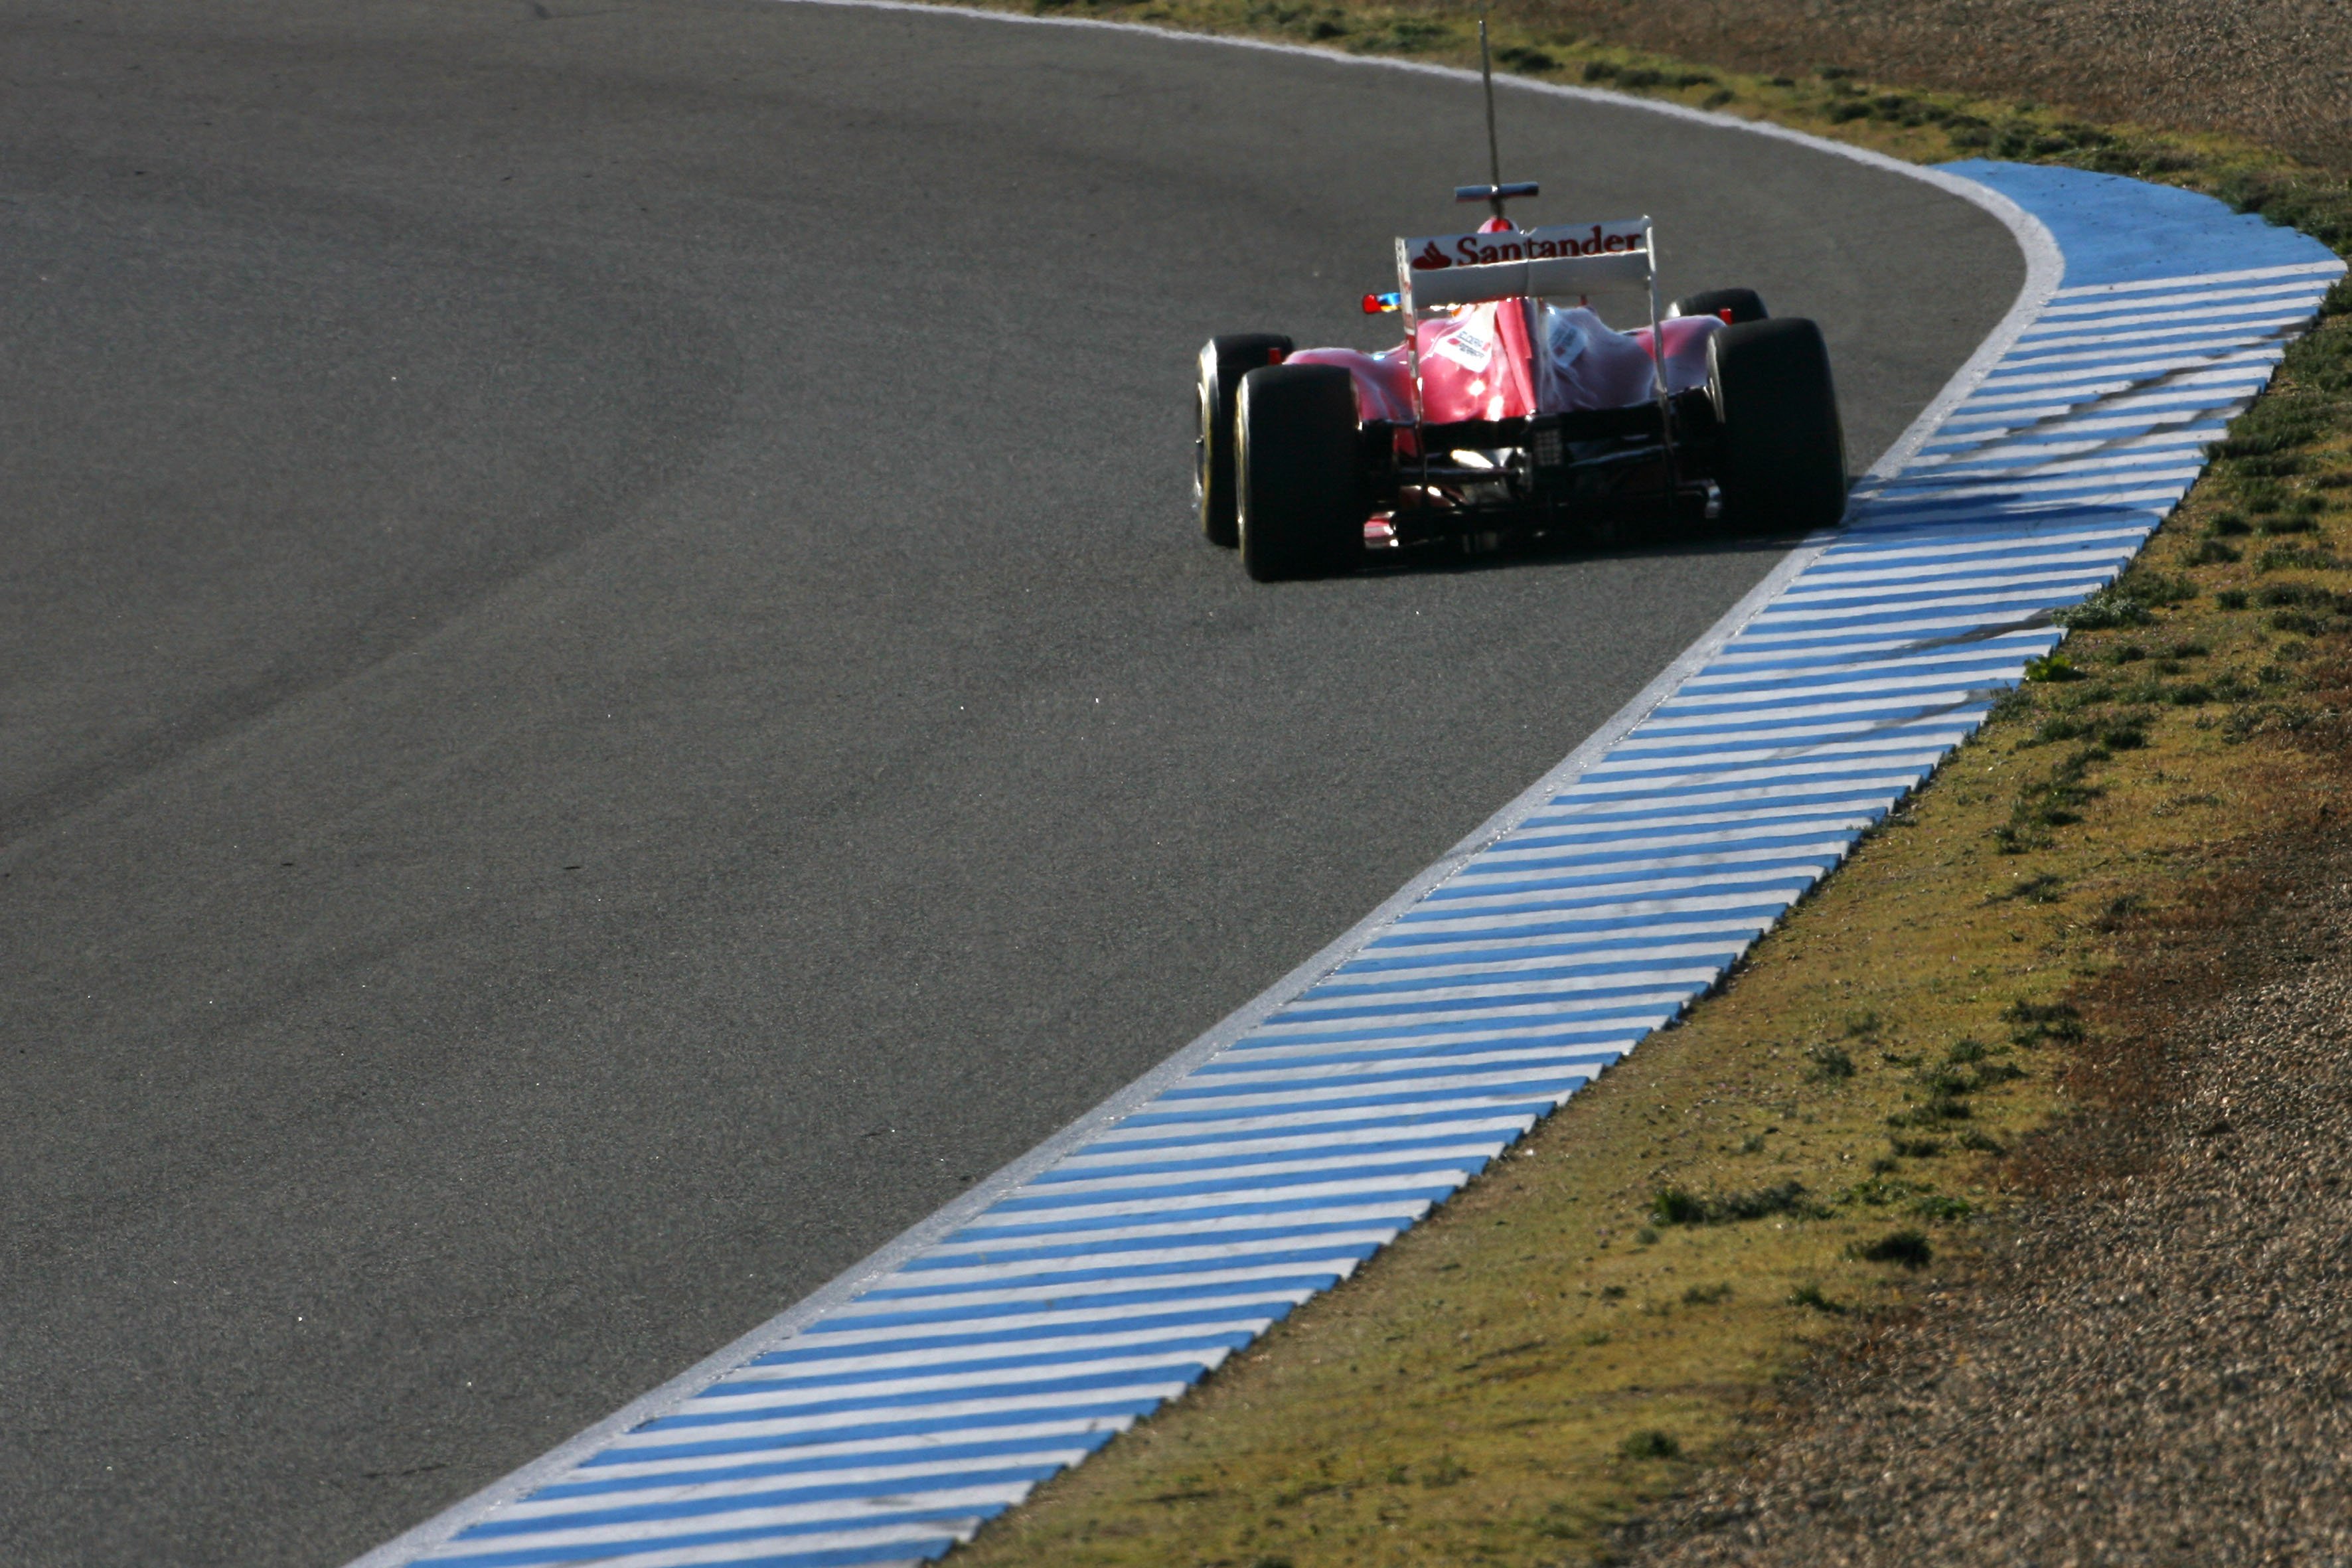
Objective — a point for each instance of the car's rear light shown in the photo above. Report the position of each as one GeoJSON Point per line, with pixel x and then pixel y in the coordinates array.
{"type": "Point", "coordinates": [1726, 314]}
{"type": "Point", "coordinates": [1380, 304]}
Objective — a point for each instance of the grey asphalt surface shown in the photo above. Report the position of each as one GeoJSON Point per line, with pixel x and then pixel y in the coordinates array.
{"type": "Point", "coordinates": [607, 692]}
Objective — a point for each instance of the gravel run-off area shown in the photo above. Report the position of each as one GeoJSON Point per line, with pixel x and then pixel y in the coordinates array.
{"type": "Point", "coordinates": [2152, 1361]}
{"type": "Point", "coordinates": [2279, 71]}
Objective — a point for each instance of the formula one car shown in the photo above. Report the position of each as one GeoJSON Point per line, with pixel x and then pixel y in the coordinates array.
{"type": "Point", "coordinates": [1512, 412]}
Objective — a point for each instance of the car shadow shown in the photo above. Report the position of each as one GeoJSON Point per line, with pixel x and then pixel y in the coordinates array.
{"type": "Point", "coordinates": [1456, 556]}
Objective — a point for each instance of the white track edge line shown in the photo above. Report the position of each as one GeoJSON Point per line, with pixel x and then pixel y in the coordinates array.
{"type": "Point", "coordinates": [2044, 270]}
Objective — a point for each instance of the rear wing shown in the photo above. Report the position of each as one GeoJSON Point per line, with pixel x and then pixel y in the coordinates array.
{"type": "Point", "coordinates": [1559, 260]}
{"type": "Point", "coordinates": [1578, 277]}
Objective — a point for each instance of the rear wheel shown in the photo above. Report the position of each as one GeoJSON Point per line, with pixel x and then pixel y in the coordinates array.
{"type": "Point", "coordinates": [1224, 362]}
{"type": "Point", "coordinates": [1783, 449]}
{"type": "Point", "coordinates": [1744, 305]}
{"type": "Point", "coordinates": [1299, 472]}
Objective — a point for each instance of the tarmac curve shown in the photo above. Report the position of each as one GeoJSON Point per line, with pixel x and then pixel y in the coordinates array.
{"type": "Point", "coordinates": [607, 693]}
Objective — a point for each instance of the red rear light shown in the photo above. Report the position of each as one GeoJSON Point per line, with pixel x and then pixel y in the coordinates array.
{"type": "Point", "coordinates": [1726, 314]}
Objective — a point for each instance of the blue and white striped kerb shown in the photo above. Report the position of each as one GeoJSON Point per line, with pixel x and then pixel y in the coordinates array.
{"type": "Point", "coordinates": [890, 1427]}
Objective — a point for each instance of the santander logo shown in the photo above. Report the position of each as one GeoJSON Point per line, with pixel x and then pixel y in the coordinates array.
{"type": "Point", "coordinates": [1427, 253]}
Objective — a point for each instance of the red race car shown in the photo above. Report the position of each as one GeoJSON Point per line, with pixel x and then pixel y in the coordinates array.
{"type": "Point", "coordinates": [1512, 411]}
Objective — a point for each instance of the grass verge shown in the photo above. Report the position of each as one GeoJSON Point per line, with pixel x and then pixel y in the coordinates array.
{"type": "Point", "coordinates": [1596, 1318]}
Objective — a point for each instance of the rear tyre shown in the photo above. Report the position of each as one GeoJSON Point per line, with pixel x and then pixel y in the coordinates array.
{"type": "Point", "coordinates": [1224, 362]}
{"type": "Point", "coordinates": [1299, 472]}
{"type": "Point", "coordinates": [1744, 304]}
{"type": "Point", "coordinates": [1783, 465]}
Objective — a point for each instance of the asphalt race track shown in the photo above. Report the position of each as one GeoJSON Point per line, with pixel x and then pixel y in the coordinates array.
{"type": "Point", "coordinates": [607, 692]}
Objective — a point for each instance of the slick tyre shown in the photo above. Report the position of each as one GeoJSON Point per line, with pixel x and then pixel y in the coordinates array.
{"type": "Point", "coordinates": [1744, 304]}
{"type": "Point", "coordinates": [1783, 465]}
{"type": "Point", "coordinates": [1224, 362]}
{"type": "Point", "coordinates": [1299, 472]}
